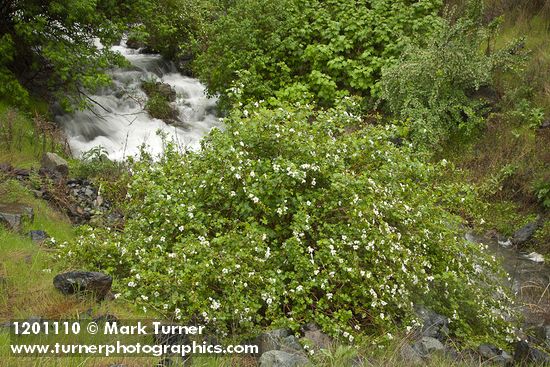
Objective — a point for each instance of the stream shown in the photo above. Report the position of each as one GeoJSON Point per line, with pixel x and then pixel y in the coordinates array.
{"type": "Point", "coordinates": [118, 122]}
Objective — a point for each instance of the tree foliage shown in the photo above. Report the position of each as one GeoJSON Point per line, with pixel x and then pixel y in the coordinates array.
{"type": "Point", "coordinates": [51, 47]}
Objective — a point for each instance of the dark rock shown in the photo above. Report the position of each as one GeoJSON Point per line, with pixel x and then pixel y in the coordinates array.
{"type": "Point", "coordinates": [166, 91]}
{"type": "Point", "coordinates": [38, 236]}
{"type": "Point", "coordinates": [495, 355]}
{"type": "Point", "coordinates": [434, 325]}
{"type": "Point", "coordinates": [428, 345]}
{"type": "Point", "coordinates": [279, 358]}
{"type": "Point", "coordinates": [170, 338]}
{"type": "Point", "coordinates": [134, 43]}
{"type": "Point", "coordinates": [83, 281]}
{"type": "Point", "coordinates": [21, 173]}
{"type": "Point", "coordinates": [314, 333]}
{"type": "Point", "coordinates": [13, 215]}
{"type": "Point", "coordinates": [525, 233]}
{"type": "Point", "coordinates": [545, 125]}
{"type": "Point", "coordinates": [525, 355]}
{"type": "Point", "coordinates": [54, 163]}
{"type": "Point", "coordinates": [271, 340]}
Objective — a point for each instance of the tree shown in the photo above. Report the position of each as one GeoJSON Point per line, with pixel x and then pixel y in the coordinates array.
{"type": "Point", "coordinates": [53, 48]}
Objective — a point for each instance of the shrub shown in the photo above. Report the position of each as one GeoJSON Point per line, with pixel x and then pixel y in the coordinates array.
{"type": "Point", "coordinates": [328, 48]}
{"type": "Point", "coordinates": [434, 86]}
{"type": "Point", "coordinates": [288, 217]}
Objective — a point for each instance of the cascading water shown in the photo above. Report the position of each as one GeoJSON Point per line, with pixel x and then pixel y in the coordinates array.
{"type": "Point", "coordinates": [119, 124]}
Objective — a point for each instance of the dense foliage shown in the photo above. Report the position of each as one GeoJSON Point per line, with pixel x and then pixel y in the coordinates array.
{"type": "Point", "coordinates": [308, 48]}
{"type": "Point", "coordinates": [51, 47]}
{"type": "Point", "coordinates": [294, 215]}
{"type": "Point", "coordinates": [435, 87]}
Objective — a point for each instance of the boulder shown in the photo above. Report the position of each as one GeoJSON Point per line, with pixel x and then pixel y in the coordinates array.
{"type": "Point", "coordinates": [434, 325]}
{"type": "Point", "coordinates": [428, 345]}
{"type": "Point", "coordinates": [83, 281]}
{"type": "Point", "coordinates": [495, 355]}
{"type": "Point", "coordinates": [134, 43]}
{"type": "Point", "coordinates": [51, 162]}
{"type": "Point", "coordinates": [279, 339]}
{"type": "Point", "coordinates": [525, 233]}
{"type": "Point", "coordinates": [279, 358]}
{"type": "Point", "coordinates": [525, 355]}
{"type": "Point", "coordinates": [315, 335]}
{"type": "Point", "coordinates": [166, 91]}
{"type": "Point", "coordinates": [12, 215]}
{"type": "Point", "coordinates": [38, 236]}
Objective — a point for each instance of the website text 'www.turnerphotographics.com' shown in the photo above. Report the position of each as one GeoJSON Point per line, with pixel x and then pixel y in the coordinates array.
{"type": "Point", "coordinates": [106, 339]}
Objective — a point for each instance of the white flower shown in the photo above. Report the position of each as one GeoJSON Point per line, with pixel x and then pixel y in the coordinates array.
{"type": "Point", "coordinates": [116, 295]}
{"type": "Point", "coordinates": [232, 193]}
{"type": "Point", "coordinates": [131, 284]}
{"type": "Point", "coordinates": [269, 301]}
{"type": "Point", "coordinates": [215, 305]}
{"type": "Point", "coordinates": [180, 228]}
{"type": "Point", "coordinates": [145, 298]}
{"type": "Point", "coordinates": [329, 295]}
{"type": "Point", "coordinates": [171, 255]}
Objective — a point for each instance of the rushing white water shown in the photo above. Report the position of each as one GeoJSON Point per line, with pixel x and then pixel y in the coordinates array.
{"type": "Point", "coordinates": [119, 123]}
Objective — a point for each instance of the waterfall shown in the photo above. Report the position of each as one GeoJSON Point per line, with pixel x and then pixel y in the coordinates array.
{"type": "Point", "coordinates": [119, 124]}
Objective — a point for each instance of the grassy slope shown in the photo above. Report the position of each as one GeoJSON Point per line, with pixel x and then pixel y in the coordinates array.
{"type": "Point", "coordinates": [511, 159]}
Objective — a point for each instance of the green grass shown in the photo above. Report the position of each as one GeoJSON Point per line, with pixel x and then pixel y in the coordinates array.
{"type": "Point", "coordinates": [24, 137]}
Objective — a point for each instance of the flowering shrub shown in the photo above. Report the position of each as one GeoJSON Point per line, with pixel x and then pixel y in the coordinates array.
{"type": "Point", "coordinates": [295, 215]}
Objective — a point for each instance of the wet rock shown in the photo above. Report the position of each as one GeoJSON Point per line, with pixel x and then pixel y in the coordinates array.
{"type": "Point", "coordinates": [38, 236]}
{"type": "Point", "coordinates": [279, 358]}
{"type": "Point", "coordinates": [434, 325]}
{"type": "Point", "coordinates": [134, 43]}
{"type": "Point", "coordinates": [12, 215]}
{"type": "Point", "coordinates": [524, 355]}
{"type": "Point", "coordinates": [525, 233]}
{"type": "Point", "coordinates": [495, 355]}
{"type": "Point", "coordinates": [83, 281]}
{"type": "Point", "coordinates": [54, 163]}
{"type": "Point", "coordinates": [428, 345]}
{"type": "Point", "coordinates": [534, 256]}
{"type": "Point", "coordinates": [166, 91]}
{"type": "Point", "coordinates": [313, 333]}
